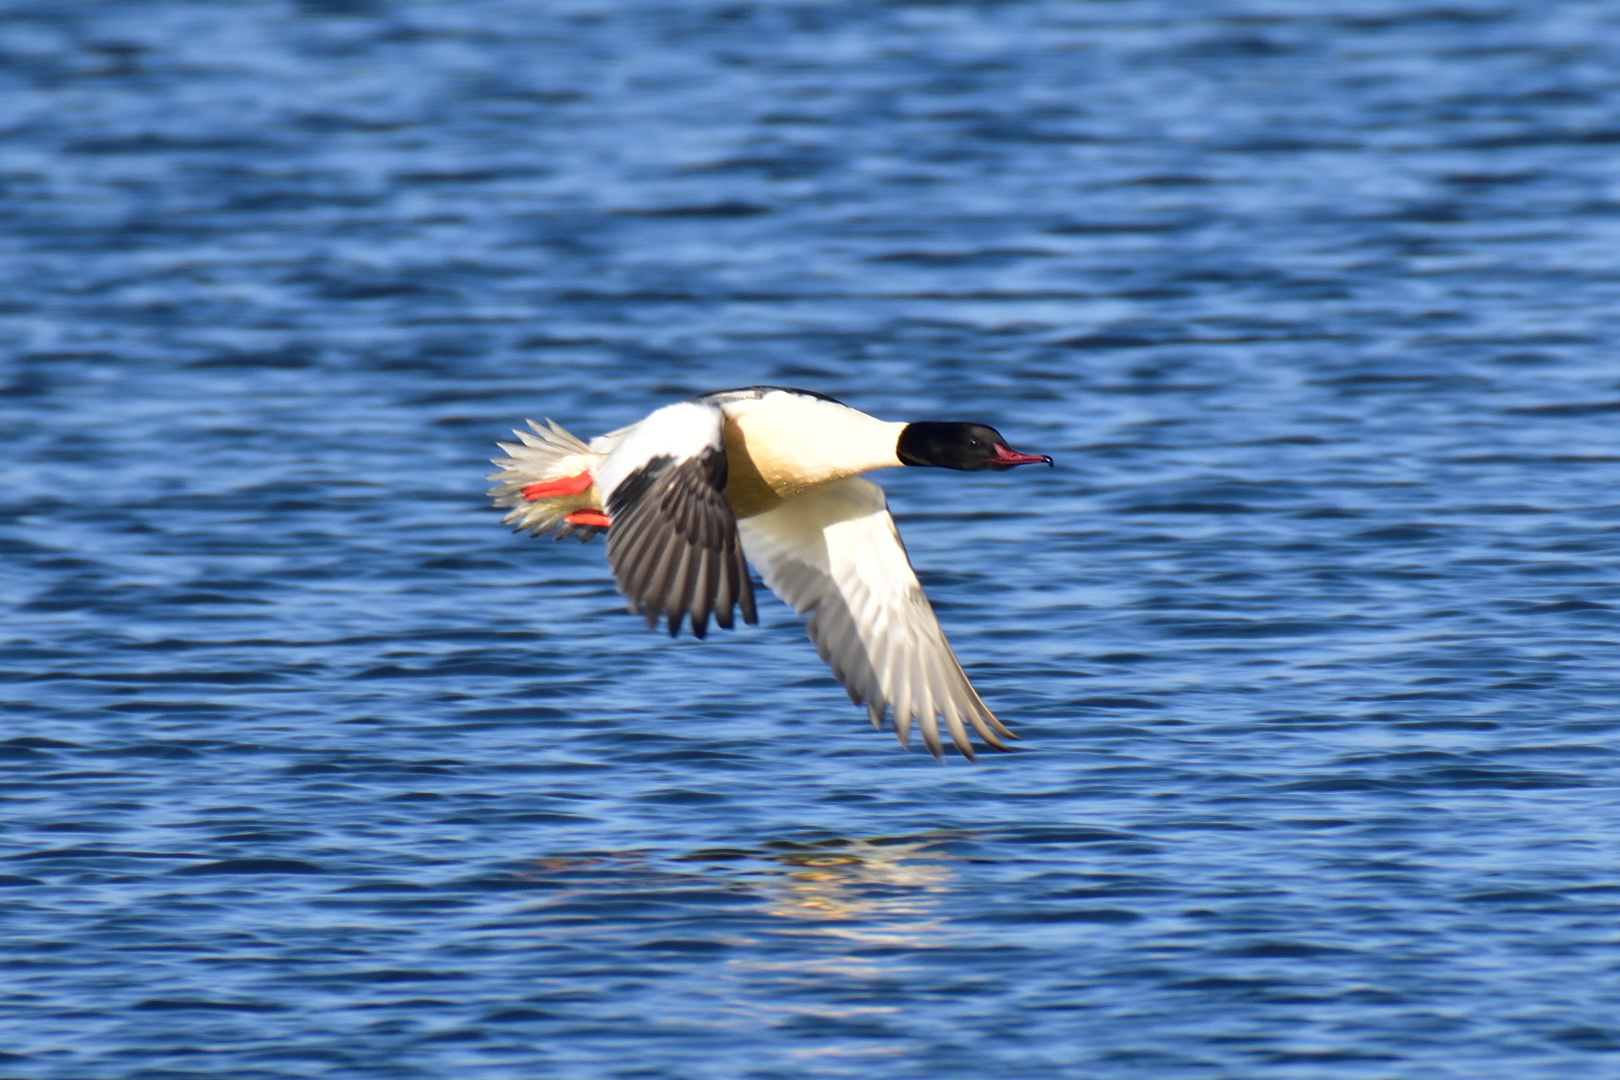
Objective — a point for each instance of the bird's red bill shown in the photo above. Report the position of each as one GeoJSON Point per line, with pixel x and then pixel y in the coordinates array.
{"type": "Point", "coordinates": [1007, 456]}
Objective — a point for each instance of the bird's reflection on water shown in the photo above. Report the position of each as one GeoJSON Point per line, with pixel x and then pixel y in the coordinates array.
{"type": "Point", "coordinates": [849, 917]}
{"type": "Point", "coordinates": [881, 891]}
{"type": "Point", "coordinates": [872, 891]}
{"type": "Point", "coordinates": [806, 935]}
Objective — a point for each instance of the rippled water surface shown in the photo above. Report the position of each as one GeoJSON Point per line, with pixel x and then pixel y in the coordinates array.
{"type": "Point", "coordinates": [310, 769]}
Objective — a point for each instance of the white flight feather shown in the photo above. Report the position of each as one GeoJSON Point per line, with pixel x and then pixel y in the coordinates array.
{"type": "Point", "coordinates": [835, 556]}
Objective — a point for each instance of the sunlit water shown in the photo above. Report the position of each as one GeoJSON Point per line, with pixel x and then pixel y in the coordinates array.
{"type": "Point", "coordinates": [311, 769]}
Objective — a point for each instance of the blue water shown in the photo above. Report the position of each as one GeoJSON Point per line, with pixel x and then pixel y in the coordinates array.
{"type": "Point", "coordinates": [309, 768]}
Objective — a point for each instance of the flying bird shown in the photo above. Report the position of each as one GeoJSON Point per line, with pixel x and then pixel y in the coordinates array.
{"type": "Point", "coordinates": [696, 490]}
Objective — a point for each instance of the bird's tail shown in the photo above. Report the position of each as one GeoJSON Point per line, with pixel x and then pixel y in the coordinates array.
{"type": "Point", "coordinates": [548, 481]}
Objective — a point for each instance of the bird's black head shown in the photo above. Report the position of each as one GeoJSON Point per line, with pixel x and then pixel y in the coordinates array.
{"type": "Point", "coordinates": [953, 445]}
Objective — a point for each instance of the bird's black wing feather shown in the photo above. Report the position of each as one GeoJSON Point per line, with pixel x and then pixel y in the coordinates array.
{"type": "Point", "coordinates": [673, 545]}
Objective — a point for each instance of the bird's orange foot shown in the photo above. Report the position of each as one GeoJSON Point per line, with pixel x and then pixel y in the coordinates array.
{"type": "Point", "coordinates": [588, 517]}
{"type": "Point", "coordinates": [548, 489]}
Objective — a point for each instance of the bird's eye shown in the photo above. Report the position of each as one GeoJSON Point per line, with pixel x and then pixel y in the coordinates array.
{"type": "Point", "coordinates": [975, 443]}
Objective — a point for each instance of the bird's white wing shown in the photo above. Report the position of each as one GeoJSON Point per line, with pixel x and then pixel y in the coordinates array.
{"type": "Point", "coordinates": [835, 556]}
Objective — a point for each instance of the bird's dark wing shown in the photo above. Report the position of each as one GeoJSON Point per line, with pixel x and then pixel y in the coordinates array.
{"type": "Point", "coordinates": [673, 544]}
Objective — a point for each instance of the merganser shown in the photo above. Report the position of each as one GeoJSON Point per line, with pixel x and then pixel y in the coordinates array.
{"type": "Point", "coordinates": [769, 474]}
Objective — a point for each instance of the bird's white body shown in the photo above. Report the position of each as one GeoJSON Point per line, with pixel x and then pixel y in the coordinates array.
{"type": "Point", "coordinates": [773, 474]}
{"type": "Point", "coordinates": [781, 445]}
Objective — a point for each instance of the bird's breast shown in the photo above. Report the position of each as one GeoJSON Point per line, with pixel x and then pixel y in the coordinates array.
{"type": "Point", "coordinates": [777, 450]}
